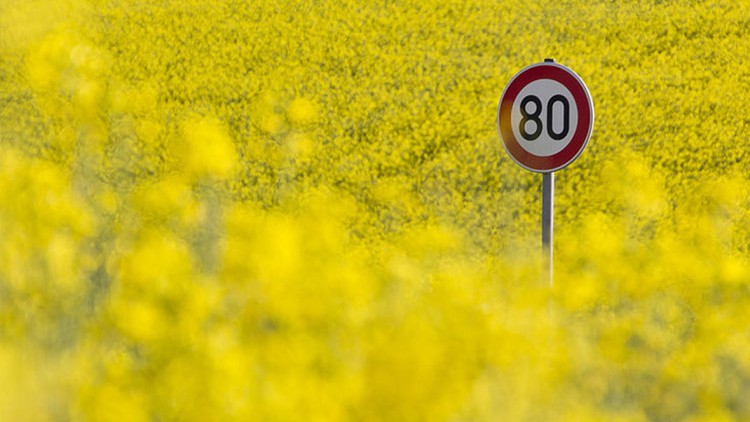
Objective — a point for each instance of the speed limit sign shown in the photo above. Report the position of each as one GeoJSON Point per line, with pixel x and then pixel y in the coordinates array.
{"type": "Point", "coordinates": [545, 117]}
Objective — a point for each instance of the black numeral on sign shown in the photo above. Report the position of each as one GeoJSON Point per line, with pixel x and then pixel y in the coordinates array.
{"type": "Point", "coordinates": [566, 117]}
{"type": "Point", "coordinates": [533, 117]}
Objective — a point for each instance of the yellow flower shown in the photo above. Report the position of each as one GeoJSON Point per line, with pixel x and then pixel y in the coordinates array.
{"type": "Point", "coordinates": [207, 149]}
{"type": "Point", "coordinates": [302, 111]}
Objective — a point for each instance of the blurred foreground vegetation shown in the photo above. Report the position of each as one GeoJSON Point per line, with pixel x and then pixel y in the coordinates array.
{"type": "Point", "coordinates": [301, 210]}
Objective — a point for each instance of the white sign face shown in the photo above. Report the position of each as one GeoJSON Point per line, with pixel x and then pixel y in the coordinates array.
{"type": "Point", "coordinates": [548, 118]}
{"type": "Point", "coordinates": [545, 117]}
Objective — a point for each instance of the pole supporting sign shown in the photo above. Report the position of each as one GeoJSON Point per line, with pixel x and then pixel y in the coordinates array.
{"type": "Point", "coordinates": [545, 118]}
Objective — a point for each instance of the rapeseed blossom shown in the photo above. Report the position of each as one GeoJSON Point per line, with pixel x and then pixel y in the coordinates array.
{"type": "Point", "coordinates": [300, 210]}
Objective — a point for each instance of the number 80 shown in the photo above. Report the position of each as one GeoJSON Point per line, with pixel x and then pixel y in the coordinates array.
{"type": "Point", "coordinates": [534, 117]}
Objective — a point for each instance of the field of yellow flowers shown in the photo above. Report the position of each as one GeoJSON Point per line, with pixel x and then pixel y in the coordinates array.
{"type": "Point", "coordinates": [301, 210]}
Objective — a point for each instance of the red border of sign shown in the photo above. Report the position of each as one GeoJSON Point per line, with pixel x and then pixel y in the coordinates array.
{"type": "Point", "coordinates": [581, 96]}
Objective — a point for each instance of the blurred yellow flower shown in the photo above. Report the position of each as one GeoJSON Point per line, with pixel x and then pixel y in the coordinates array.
{"type": "Point", "coordinates": [302, 111]}
{"type": "Point", "coordinates": [208, 149]}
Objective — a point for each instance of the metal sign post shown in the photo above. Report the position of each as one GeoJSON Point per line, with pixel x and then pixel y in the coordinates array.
{"type": "Point", "coordinates": [548, 221]}
{"type": "Point", "coordinates": [545, 118]}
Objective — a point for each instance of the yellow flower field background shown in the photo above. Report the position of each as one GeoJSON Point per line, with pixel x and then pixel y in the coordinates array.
{"type": "Point", "coordinates": [301, 210]}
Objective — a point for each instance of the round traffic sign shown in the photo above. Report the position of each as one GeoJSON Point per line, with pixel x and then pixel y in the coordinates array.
{"type": "Point", "coordinates": [545, 117]}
